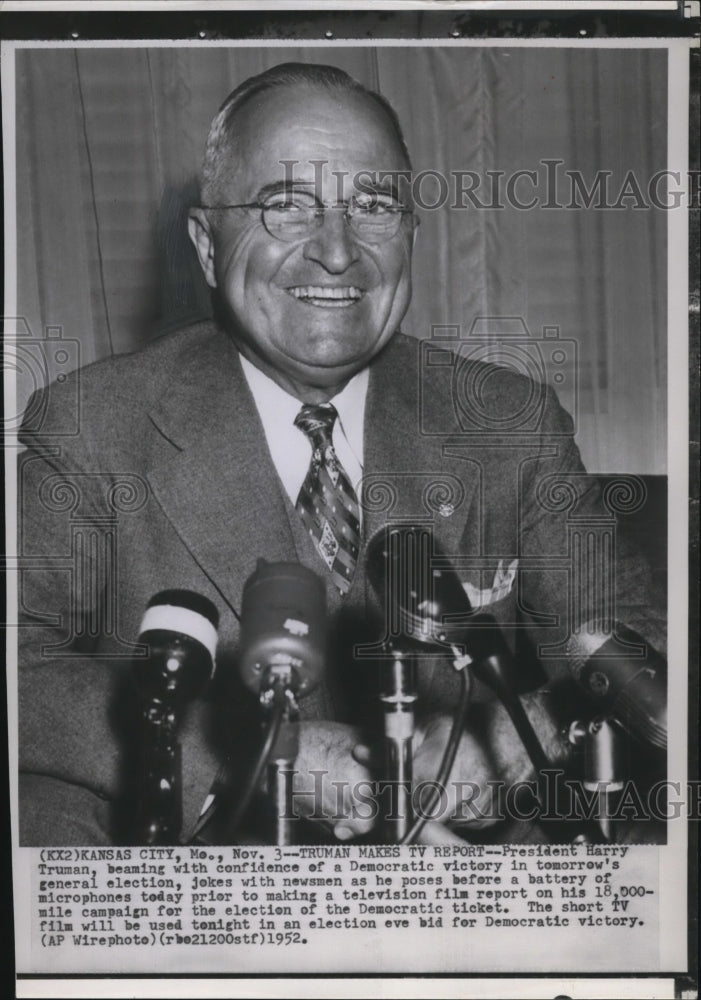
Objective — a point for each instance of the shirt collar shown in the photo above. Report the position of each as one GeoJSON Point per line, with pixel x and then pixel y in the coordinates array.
{"type": "Point", "coordinates": [350, 405]}
{"type": "Point", "coordinates": [278, 407]}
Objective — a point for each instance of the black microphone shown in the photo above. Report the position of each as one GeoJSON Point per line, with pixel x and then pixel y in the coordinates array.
{"type": "Point", "coordinates": [425, 598]}
{"type": "Point", "coordinates": [180, 629]}
{"type": "Point", "coordinates": [399, 567]}
{"type": "Point", "coordinates": [425, 601]}
{"type": "Point", "coordinates": [283, 627]}
{"type": "Point", "coordinates": [281, 659]}
{"type": "Point", "coordinates": [630, 689]}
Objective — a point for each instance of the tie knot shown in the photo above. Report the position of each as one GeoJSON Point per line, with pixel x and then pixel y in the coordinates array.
{"type": "Point", "coordinates": [317, 420]}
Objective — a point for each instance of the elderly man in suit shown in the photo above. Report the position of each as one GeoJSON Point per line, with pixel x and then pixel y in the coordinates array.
{"type": "Point", "coordinates": [192, 460]}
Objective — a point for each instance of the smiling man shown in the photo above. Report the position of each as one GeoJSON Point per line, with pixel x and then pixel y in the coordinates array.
{"type": "Point", "coordinates": [287, 429]}
{"type": "Point", "coordinates": [311, 302]}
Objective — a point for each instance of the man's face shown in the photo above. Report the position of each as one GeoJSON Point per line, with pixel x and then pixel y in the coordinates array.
{"type": "Point", "coordinates": [312, 312]}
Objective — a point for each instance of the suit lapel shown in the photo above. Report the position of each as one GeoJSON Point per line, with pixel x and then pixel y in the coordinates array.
{"type": "Point", "coordinates": [213, 476]}
{"type": "Point", "coordinates": [408, 477]}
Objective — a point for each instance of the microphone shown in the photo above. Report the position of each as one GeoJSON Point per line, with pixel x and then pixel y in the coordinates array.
{"type": "Point", "coordinates": [281, 659]}
{"type": "Point", "coordinates": [416, 594]}
{"type": "Point", "coordinates": [424, 597]}
{"type": "Point", "coordinates": [180, 629]}
{"type": "Point", "coordinates": [283, 627]}
{"type": "Point", "coordinates": [631, 690]}
{"type": "Point", "coordinates": [425, 601]}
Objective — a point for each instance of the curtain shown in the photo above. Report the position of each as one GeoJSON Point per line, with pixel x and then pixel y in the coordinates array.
{"type": "Point", "coordinates": [108, 148]}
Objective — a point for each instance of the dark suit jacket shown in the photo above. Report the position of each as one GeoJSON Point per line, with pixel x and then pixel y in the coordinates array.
{"type": "Point", "coordinates": [166, 482]}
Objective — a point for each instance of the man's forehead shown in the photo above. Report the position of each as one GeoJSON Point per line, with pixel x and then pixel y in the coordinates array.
{"type": "Point", "coordinates": [342, 130]}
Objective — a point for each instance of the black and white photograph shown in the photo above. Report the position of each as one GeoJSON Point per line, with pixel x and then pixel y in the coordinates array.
{"type": "Point", "coordinates": [347, 421]}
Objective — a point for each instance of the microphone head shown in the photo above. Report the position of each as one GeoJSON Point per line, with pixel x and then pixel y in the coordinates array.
{"type": "Point", "coordinates": [180, 629]}
{"type": "Point", "coordinates": [185, 613]}
{"type": "Point", "coordinates": [419, 595]}
{"type": "Point", "coordinates": [283, 625]}
{"type": "Point", "coordinates": [625, 676]}
{"type": "Point", "coordinates": [583, 644]}
{"type": "Point", "coordinates": [425, 601]}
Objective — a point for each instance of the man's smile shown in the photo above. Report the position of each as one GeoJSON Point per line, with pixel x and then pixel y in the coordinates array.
{"type": "Point", "coordinates": [326, 296]}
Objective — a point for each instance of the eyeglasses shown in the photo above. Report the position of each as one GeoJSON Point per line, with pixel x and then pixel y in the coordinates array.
{"type": "Point", "coordinates": [297, 215]}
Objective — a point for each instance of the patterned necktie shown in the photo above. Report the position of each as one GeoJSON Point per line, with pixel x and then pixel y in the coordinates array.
{"type": "Point", "coordinates": [327, 502]}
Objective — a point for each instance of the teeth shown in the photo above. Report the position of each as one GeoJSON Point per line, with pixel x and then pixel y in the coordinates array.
{"type": "Point", "coordinates": [347, 294]}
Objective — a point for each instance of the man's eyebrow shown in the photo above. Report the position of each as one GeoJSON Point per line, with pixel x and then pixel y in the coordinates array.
{"type": "Point", "coordinates": [276, 187]}
{"type": "Point", "coordinates": [382, 188]}
{"type": "Point", "coordinates": [366, 185]}
{"type": "Point", "coordinates": [387, 184]}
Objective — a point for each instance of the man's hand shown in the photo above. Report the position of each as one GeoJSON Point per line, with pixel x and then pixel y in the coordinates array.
{"type": "Point", "coordinates": [490, 759]}
{"type": "Point", "coordinates": [335, 778]}
{"type": "Point", "coordinates": [330, 784]}
{"type": "Point", "coordinates": [468, 796]}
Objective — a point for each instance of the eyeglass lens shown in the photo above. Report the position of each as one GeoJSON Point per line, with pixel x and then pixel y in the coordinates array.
{"type": "Point", "coordinates": [296, 216]}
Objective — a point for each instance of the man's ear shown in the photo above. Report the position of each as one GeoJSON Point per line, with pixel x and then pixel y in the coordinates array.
{"type": "Point", "coordinates": [200, 230]}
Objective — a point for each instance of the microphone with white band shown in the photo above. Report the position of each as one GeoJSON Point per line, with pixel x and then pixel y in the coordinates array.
{"type": "Point", "coordinates": [180, 629]}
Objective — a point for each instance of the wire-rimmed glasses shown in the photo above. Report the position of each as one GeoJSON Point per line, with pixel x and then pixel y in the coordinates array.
{"type": "Point", "coordinates": [373, 217]}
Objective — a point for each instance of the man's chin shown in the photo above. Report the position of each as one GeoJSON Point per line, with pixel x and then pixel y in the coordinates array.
{"type": "Point", "coordinates": [324, 375]}
{"type": "Point", "coordinates": [332, 364]}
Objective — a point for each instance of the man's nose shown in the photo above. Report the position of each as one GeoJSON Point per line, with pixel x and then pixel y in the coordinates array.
{"type": "Point", "coordinates": [332, 244]}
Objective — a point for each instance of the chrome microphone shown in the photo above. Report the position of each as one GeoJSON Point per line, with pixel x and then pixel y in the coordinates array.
{"type": "Point", "coordinates": [625, 678]}
{"type": "Point", "coordinates": [180, 629]}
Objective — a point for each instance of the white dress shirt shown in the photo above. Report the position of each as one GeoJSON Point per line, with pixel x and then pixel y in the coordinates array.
{"type": "Point", "coordinates": [290, 448]}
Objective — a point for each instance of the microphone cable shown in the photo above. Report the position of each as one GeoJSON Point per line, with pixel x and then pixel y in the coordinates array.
{"type": "Point", "coordinates": [449, 754]}
{"type": "Point", "coordinates": [273, 731]}
{"type": "Point", "coordinates": [278, 711]}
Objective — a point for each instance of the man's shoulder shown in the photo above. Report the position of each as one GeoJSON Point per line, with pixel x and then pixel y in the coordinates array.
{"type": "Point", "coordinates": [119, 388]}
{"type": "Point", "coordinates": [154, 364]}
{"type": "Point", "coordinates": [457, 391]}
{"type": "Point", "coordinates": [424, 354]}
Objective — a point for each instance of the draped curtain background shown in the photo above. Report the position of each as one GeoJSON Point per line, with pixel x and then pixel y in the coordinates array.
{"type": "Point", "coordinates": [109, 143]}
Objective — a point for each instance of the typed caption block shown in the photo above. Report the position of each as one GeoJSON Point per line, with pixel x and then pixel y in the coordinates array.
{"type": "Point", "coordinates": [283, 909]}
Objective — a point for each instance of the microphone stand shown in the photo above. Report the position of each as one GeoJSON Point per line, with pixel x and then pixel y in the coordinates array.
{"type": "Point", "coordinates": [398, 696]}
{"type": "Point", "coordinates": [278, 696]}
{"type": "Point", "coordinates": [159, 812]}
{"type": "Point", "coordinates": [494, 671]}
{"type": "Point", "coordinates": [283, 640]}
{"type": "Point", "coordinates": [601, 743]}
